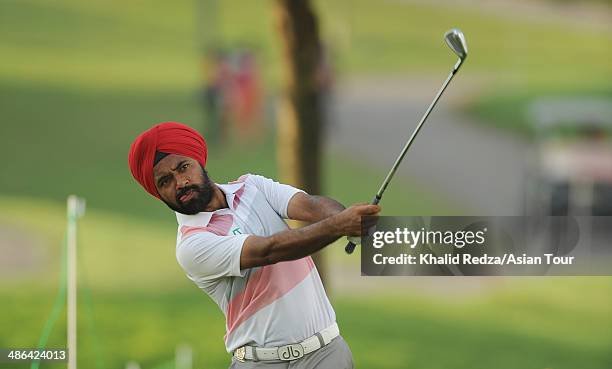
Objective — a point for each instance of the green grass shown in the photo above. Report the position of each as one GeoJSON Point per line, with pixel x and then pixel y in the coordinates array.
{"type": "Point", "coordinates": [510, 111]}
{"type": "Point", "coordinates": [393, 37]}
{"type": "Point", "coordinates": [119, 48]}
{"type": "Point", "coordinates": [495, 331]}
{"type": "Point", "coordinates": [384, 331]}
{"type": "Point", "coordinates": [76, 141]}
{"type": "Point", "coordinates": [114, 45]}
{"type": "Point", "coordinates": [143, 306]}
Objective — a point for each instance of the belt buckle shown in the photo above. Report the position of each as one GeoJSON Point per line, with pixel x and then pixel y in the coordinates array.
{"type": "Point", "coordinates": [240, 353]}
{"type": "Point", "coordinates": [290, 352]}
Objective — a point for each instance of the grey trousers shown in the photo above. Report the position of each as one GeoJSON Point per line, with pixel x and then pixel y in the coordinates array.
{"type": "Point", "coordinates": [335, 355]}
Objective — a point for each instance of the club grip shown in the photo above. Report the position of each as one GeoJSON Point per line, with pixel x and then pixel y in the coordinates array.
{"type": "Point", "coordinates": [350, 247]}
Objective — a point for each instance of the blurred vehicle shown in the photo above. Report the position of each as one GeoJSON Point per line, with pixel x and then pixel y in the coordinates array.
{"type": "Point", "coordinates": [571, 170]}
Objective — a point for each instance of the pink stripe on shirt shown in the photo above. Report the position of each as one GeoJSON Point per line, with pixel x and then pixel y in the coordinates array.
{"type": "Point", "coordinates": [218, 224]}
{"type": "Point", "coordinates": [237, 197]}
{"type": "Point", "coordinates": [264, 287]}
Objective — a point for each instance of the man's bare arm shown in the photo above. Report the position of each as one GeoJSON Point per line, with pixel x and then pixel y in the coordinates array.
{"type": "Point", "coordinates": [309, 208]}
{"type": "Point", "coordinates": [294, 244]}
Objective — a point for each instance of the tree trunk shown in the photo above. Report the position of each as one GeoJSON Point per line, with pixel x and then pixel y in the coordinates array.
{"type": "Point", "coordinates": [299, 114]}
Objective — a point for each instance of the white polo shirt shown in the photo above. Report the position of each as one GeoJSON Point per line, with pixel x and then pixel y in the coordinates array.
{"type": "Point", "coordinates": [267, 306]}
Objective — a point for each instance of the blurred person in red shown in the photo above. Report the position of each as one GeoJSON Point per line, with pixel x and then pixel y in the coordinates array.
{"type": "Point", "coordinates": [217, 79]}
{"type": "Point", "coordinates": [246, 95]}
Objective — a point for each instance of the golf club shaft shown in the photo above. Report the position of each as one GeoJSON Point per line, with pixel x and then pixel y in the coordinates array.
{"type": "Point", "coordinates": [399, 159]}
{"type": "Point", "coordinates": [350, 247]}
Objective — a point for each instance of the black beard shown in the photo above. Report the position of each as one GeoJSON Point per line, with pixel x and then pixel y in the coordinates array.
{"type": "Point", "coordinates": [202, 194]}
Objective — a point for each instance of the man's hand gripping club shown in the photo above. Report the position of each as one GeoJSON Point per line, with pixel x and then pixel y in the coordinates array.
{"type": "Point", "coordinates": [295, 244]}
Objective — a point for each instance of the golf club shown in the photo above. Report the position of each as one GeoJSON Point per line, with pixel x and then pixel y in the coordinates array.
{"type": "Point", "coordinates": [456, 41]}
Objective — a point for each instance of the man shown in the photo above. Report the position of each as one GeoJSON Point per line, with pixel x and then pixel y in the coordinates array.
{"type": "Point", "coordinates": [233, 243]}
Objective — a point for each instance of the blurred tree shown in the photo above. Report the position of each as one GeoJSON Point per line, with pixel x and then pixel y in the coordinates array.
{"type": "Point", "coordinates": [299, 113]}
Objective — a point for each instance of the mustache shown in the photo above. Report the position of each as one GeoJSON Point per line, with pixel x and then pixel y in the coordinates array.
{"type": "Point", "coordinates": [186, 189]}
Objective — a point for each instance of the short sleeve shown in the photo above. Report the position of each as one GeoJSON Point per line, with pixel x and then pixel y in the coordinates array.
{"type": "Point", "coordinates": [277, 194]}
{"type": "Point", "coordinates": [209, 256]}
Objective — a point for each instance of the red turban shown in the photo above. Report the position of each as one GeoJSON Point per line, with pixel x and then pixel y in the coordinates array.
{"type": "Point", "coordinates": [167, 137]}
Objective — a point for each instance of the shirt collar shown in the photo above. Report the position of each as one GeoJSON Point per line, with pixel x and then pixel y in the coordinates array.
{"type": "Point", "coordinates": [203, 218]}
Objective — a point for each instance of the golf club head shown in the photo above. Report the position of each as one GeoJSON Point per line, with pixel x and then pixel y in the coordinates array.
{"type": "Point", "coordinates": [456, 41]}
